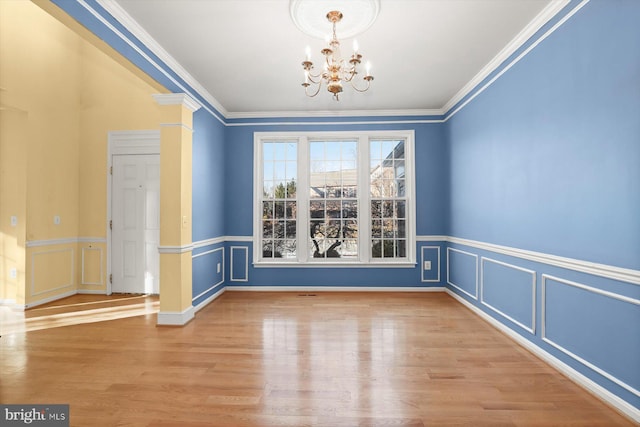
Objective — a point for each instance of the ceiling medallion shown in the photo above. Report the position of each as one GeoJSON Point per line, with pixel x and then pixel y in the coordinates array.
{"type": "Point", "coordinates": [309, 16]}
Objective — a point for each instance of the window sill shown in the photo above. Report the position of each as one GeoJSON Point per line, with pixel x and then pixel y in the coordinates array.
{"type": "Point", "coordinates": [346, 264]}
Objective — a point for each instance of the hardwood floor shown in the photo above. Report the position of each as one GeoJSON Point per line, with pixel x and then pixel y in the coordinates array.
{"type": "Point", "coordinates": [290, 359]}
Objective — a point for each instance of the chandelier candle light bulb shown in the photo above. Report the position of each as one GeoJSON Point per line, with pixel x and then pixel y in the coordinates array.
{"type": "Point", "coordinates": [335, 70]}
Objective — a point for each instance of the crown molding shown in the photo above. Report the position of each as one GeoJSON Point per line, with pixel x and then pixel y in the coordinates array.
{"type": "Point", "coordinates": [341, 113]}
{"type": "Point", "coordinates": [115, 10]}
{"type": "Point", "coordinates": [551, 10]}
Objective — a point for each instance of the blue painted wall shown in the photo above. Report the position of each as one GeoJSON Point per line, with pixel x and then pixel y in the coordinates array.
{"type": "Point", "coordinates": [208, 177]}
{"type": "Point", "coordinates": [208, 211]}
{"type": "Point", "coordinates": [548, 157]}
{"type": "Point", "coordinates": [431, 198]}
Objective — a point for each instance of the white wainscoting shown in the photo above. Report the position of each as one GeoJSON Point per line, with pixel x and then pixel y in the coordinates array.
{"type": "Point", "coordinates": [529, 328]}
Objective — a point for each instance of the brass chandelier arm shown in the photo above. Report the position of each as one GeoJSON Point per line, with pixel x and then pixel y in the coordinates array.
{"type": "Point", "coordinates": [306, 89]}
{"type": "Point", "coordinates": [367, 79]}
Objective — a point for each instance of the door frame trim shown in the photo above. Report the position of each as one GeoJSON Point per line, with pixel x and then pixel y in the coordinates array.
{"type": "Point", "coordinates": [127, 142]}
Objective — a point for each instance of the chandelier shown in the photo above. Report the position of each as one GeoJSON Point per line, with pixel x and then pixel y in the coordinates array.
{"type": "Point", "coordinates": [335, 71]}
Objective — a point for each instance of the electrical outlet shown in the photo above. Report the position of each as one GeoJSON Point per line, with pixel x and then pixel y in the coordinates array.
{"type": "Point", "coordinates": [14, 221]}
{"type": "Point", "coordinates": [13, 273]}
{"type": "Point", "coordinates": [427, 265]}
{"type": "Point", "coordinates": [56, 219]}
{"type": "Point", "coordinates": [218, 268]}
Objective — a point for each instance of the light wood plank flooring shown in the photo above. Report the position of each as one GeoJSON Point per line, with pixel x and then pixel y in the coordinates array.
{"type": "Point", "coordinates": [290, 359]}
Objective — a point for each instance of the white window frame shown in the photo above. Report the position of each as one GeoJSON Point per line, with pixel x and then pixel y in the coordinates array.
{"type": "Point", "coordinates": [364, 199]}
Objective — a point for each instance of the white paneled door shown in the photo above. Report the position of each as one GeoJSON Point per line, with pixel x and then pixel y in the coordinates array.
{"type": "Point", "coordinates": [136, 224]}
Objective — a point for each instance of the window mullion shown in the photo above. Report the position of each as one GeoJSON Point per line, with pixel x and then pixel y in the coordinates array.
{"type": "Point", "coordinates": [302, 231]}
{"type": "Point", "coordinates": [257, 198]}
{"type": "Point", "coordinates": [364, 200]}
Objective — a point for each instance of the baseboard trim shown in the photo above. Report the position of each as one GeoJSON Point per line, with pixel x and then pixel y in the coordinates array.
{"type": "Point", "coordinates": [335, 288]}
{"type": "Point", "coordinates": [46, 300]}
{"type": "Point", "coordinates": [175, 318]}
{"type": "Point", "coordinates": [209, 300]}
{"type": "Point", "coordinates": [625, 408]}
{"type": "Point", "coordinates": [10, 302]}
{"type": "Point", "coordinates": [92, 291]}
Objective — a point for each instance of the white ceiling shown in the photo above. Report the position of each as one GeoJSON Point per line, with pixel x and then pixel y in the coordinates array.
{"type": "Point", "coordinates": [247, 53]}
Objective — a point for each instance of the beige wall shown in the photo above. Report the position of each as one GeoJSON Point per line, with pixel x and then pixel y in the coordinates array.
{"type": "Point", "coordinates": [60, 97]}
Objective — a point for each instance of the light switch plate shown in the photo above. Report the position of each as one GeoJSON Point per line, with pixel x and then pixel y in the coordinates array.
{"type": "Point", "coordinates": [427, 265]}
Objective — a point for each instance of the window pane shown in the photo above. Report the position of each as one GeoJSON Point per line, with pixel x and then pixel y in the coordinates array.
{"type": "Point", "coordinates": [388, 230]}
{"type": "Point", "coordinates": [317, 229]}
{"type": "Point", "coordinates": [278, 230]}
{"type": "Point", "coordinates": [290, 229]}
{"type": "Point", "coordinates": [333, 183]}
{"type": "Point", "coordinates": [376, 209]}
{"type": "Point", "coordinates": [279, 183]}
{"type": "Point", "coordinates": [349, 209]}
{"type": "Point", "coordinates": [267, 248]}
{"type": "Point", "coordinates": [279, 151]}
{"type": "Point", "coordinates": [388, 213]}
{"type": "Point", "coordinates": [267, 210]}
{"type": "Point", "coordinates": [376, 228]}
{"type": "Point", "coordinates": [267, 229]}
{"type": "Point", "coordinates": [289, 250]}
{"type": "Point", "coordinates": [268, 171]}
{"type": "Point", "coordinates": [317, 209]}
{"type": "Point", "coordinates": [351, 229]}
{"type": "Point", "coordinates": [291, 171]}
{"type": "Point", "coordinates": [267, 151]}
{"type": "Point", "coordinates": [401, 209]}
{"type": "Point", "coordinates": [401, 248]}
{"type": "Point", "coordinates": [333, 209]}
{"type": "Point", "coordinates": [291, 189]}
{"type": "Point", "coordinates": [278, 248]}
{"type": "Point", "coordinates": [292, 151]}
{"type": "Point", "coordinates": [387, 149]}
{"type": "Point", "coordinates": [316, 152]}
{"type": "Point", "coordinates": [376, 248]}
{"type": "Point", "coordinates": [400, 184]}
{"type": "Point", "coordinates": [292, 210]}
{"type": "Point", "coordinates": [401, 229]}
{"type": "Point", "coordinates": [399, 168]}
{"type": "Point", "coordinates": [268, 190]}
{"type": "Point", "coordinates": [279, 210]}
{"type": "Point", "coordinates": [387, 209]}
{"type": "Point", "coordinates": [388, 250]}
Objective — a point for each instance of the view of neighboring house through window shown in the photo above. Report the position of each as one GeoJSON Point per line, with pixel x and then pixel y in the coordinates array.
{"type": "Point", "coordinates": [279, 205]}
{"type": "Point", "coordinates": [340, 197]}
{"type": "Point", "coordinates": [333, 205]}
{"type": "Point", "coordinates": [388, 199]}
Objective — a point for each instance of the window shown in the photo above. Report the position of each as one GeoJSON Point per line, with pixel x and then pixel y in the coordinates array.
{"type": "Point", "coordinates": [334, 198]}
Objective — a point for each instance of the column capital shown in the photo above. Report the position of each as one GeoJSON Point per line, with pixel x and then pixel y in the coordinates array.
{"type": "Point", "coordinates": [177, 99]}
